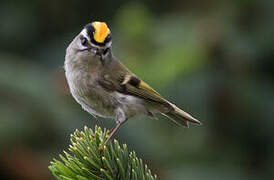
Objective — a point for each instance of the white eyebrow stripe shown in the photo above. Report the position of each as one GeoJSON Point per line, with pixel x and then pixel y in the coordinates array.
{"type": "Point", "coordinates": [85, 34]}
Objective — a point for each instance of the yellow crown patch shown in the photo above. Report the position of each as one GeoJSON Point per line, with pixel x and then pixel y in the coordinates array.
{"type": "Point", "coordinates": [101, 31]}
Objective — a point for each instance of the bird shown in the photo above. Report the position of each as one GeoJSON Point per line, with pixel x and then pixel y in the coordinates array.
{"type": "Point", "coordinates": [106, 88]}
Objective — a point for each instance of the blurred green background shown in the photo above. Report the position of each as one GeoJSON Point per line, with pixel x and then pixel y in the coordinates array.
{"type": "Point", "coordinates": [213, 58]}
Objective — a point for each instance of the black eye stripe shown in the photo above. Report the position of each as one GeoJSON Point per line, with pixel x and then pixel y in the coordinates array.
{"type": "Point", "coordinates": [83, 40]}
{"type": "Point", "coordinates": [108, 38]}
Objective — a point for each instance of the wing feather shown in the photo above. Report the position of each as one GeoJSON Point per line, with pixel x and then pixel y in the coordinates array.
{"type": "Point", "coordinates": [118, 78]}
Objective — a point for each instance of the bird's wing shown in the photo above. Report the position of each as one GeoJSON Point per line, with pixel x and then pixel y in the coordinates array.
{"type": "Point", "coordinates": [118, 78]}
{"type": "Point", "coordinates": [123, 81]}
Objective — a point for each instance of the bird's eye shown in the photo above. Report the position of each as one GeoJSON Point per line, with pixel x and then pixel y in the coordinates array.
{"type": "Point", "coordinates": [84, 41]}
{"type": "Point", "coordinates": [108, 38]}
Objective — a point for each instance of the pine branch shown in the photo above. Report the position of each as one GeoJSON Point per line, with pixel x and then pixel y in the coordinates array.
{"type": "Point", "coordinates": [90, 158]}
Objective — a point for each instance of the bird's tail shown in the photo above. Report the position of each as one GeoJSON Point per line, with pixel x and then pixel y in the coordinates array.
{"type": "Point", "coordinates": [180, 117]}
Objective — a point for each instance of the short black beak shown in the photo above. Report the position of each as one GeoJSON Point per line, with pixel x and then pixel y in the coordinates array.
{"type": "Point", "coordinates": [102, 52]}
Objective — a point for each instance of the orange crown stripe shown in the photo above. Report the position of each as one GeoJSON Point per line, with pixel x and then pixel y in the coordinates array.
{"type": "Point", "coordinates": [101, 31]}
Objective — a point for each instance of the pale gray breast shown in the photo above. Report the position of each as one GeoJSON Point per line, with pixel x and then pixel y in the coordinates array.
{"type": "Point", "coordinates": [97, 101]}
{"type": "Point", "coordinates": [86, 91]}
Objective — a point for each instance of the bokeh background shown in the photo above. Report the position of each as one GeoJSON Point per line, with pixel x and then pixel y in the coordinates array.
{"type": "Point", "coordinates": [213, 58]}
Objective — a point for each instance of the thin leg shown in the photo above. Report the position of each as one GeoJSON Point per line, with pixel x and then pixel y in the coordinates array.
{"type": "Point", "coordinates": [120, 119]}
{"type": "Point", "coordinates": [113, 131]}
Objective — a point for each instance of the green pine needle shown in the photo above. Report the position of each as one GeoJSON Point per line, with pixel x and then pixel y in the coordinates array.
{"type": "Point", "coordinates": [90, 158]}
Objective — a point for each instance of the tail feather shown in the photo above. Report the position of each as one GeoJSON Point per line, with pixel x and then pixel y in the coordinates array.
{"type": "Point", "coordinates": [176, 120]}
{"type": "Point", "coordinates": [180, 117]}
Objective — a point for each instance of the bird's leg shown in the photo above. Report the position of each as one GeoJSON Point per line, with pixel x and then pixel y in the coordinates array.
{"type": "Point", "coordinates": [120, 119]}
{"type": "Point", "coordinates": [113, 131]}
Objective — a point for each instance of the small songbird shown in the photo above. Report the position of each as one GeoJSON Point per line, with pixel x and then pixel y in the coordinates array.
{"type": "Point", "coordinates": [106, 88]}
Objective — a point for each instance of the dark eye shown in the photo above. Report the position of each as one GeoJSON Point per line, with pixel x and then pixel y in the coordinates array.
{"type": "Point", "coordinates": [108, 38]}
{"type": "Point", "coordinates": [84, 41]}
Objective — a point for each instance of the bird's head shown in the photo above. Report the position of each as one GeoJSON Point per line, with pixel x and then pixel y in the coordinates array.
{"type": "Point", "coordinates": [94, 39]}
{"type": "Point", "coordinates": [96, 34]}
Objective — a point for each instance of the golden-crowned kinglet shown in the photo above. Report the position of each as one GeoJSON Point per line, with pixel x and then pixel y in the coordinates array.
{"type": "Point", "coordinates": [104, 87]}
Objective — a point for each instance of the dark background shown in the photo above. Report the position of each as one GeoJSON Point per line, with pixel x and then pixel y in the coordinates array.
{"type": "Point", "coordinates": [213, 58]}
